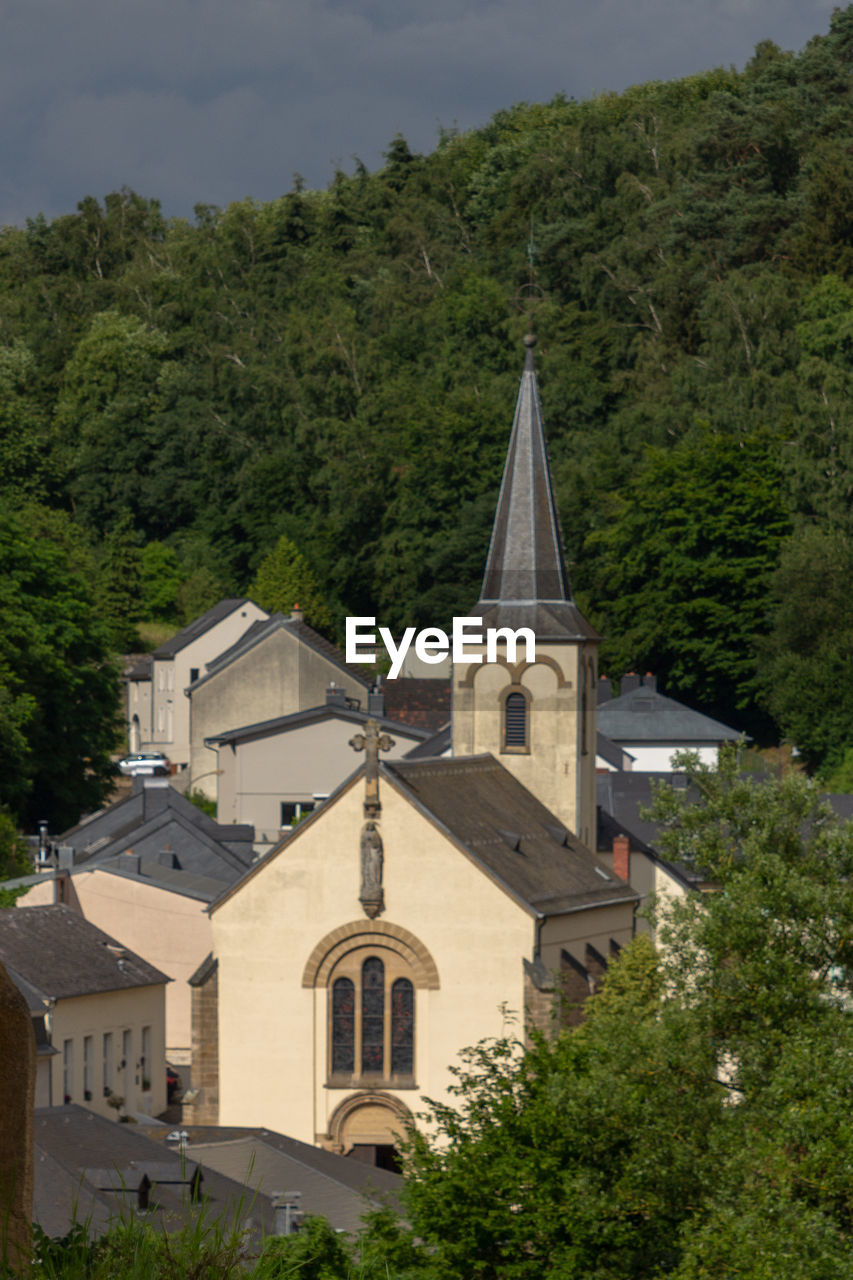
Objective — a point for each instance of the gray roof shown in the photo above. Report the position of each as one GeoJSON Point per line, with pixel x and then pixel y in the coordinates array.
{"type": "Point", "coordinates": [525, 582]}
{"type": "Point", "coordinates": [314, 715]}
{"type": "Point", "coordinates": [199, 626]}
{"type": "Point", "coordinates": [62, 955]}
{"type": "Point", "coordinates": [623, 796]}
{"type": "Point", "coordinates": [157, 834]}
{"type": "Point", "coordinates": [610, 752]}
{"type": "Point", "coordinates": [268, 1165]}
{"type": "Point", "coordinates": [434, 746]}
{"type": "Point", "coordinates": [259, 631]}
{"type": "Point", "coordinates": [644, 715]}
{"type": "Point", "coordinates": [505, 829]}
{"type": "Point", "coordinates": [87, 1169]}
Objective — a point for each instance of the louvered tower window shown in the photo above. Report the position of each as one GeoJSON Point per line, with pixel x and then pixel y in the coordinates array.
{"type": "Point", "coordinates": [515, 721]}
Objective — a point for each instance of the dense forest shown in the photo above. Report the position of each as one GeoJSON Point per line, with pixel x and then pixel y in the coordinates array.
{"type": "Point", "coordinates": [338, 368]}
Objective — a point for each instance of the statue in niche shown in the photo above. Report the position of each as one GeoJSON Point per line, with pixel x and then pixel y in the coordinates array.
{"type": "Point", "coordinates": [371, 897]}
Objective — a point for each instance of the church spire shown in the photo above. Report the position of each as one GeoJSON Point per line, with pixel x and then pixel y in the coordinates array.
{"type": "Point", "coordinates": [526, 583]}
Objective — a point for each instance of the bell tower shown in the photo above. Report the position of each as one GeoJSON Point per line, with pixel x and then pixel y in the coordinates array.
{"type": "Point", "coordinates": [537, 718]}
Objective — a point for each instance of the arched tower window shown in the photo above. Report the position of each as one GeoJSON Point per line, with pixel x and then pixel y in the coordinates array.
{"type": "Point", "coordinates": [516, 722]}
{"type": "Point", "coordinates": [402, 1027]}
{"type": "Point", "coordinates": [343, 1025]}
{"type": "Point", "coordinates": [373, 1016]}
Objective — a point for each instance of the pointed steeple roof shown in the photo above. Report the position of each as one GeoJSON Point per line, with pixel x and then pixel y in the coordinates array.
{"type": "Point", "coordinates": [526, 583]}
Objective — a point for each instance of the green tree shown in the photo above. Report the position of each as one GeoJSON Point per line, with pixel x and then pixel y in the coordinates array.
{"type": "Point", "coordinates": [682, 572]}
{"type": "Point", "coordinates": [805, 660]}
{"type": "Point", "coordinates": [59, 691]}
{"type": "Point", "coordinates": [284, 579]}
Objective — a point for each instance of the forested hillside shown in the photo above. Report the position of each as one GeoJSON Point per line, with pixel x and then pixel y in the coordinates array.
{"type": "Point", "coordinates": [340, 367]}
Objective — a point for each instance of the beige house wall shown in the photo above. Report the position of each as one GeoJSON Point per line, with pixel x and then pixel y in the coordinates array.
{"type": "Point", "coordinates": [170, 931]}
{"type": "Point", "coordinates": [276, 677]}
{"type": "Point", "coordinates": [115, 1013]}
{"type": "Point", "coordinates": [170, 720]}
{"type": "Point", "coordinates": [139, 705]}
{"type": "Point", "coordinates": [559, 767]}
{"type": "Point", "coordinates": [259, 774]}
{"type": "Point", "coordinates": [273, 1031]}
{"type": "Point", "coordinates": [649, 878]}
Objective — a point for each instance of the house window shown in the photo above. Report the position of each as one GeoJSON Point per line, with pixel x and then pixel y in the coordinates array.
{"type": "Point", "coordinates": [516, 722]}
{"type": "Point", "coordinates": [193, 674]}
{"type": "Point", "coordinates": [108, 1063]}
{"type": "Point", "coordinates": [87, 1068]}
{"type": "Point", "coordinates": [372, 1022]}
{"type": "Point", "coordinates": [292, 812]}
{"type": "Point", "coordinates": [68, 1070]}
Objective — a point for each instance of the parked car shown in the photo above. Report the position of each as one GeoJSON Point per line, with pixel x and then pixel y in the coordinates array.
{"type": "Point", "coordinates": [145, 764]}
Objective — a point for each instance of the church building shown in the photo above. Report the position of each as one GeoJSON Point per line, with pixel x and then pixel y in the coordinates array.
{"type": "Point", "coordinates": [429, 902]}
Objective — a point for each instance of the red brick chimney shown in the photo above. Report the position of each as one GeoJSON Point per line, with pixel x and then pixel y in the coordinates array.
{"type": "Point", "coordinates": [621, 857]}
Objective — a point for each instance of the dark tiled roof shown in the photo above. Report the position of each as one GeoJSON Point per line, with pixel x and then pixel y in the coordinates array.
{"type": "Point", "coordinates": [644, 715]}
{"type": "Point", "coordinates": [139, 667]}
{"type": "Point", "coordinates": [437, 745]}
{"type": "Point", "coordinates": [525, 583]}
{"type": "Point", "coordinates": [625, 795]}
{"type": "Point", "coordinates": [63, 955]}
{"type": "Point", "coordinates": [199, 626]}
{"type": "Point", "coordinates": [277, 621]}
{"type": "Point", "coordinates": [609, 827]}
{"type": "Point", "coordinates": [297, 719]}
{"type": "Point", "coordinates": [418, 701]}
{"type": "Point", "coordinates": [506, 829]}
{"type": "Point", "coordinates": [79, 1156]}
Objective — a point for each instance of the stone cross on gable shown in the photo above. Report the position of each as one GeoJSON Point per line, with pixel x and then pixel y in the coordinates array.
{"type": "Point", "coordinates": [371, 853]}
{"type": "Point", "coordinates": [371, 742]}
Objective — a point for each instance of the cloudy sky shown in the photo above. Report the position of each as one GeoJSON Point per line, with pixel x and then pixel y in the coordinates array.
{"type": "Point", "coordinates": [211, 100]}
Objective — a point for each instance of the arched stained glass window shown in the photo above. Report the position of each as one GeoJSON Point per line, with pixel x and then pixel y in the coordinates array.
{"type": "Point", "coordinates": [402, 1027]}
{"type": "Point", "coordinates": [515, 720]}
{"type": "Point", "coordinates": [373, 1016]}
{"type": "Point", "coordinates": [343, 1025]}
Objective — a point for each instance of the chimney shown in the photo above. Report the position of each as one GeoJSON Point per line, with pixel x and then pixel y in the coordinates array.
{"type": "Point", "coordinates": [622, 857]}
{"type": "Point", "coordinates": [296, 614]}
{"type": "Point", "coordinates": [376, 701]}
{"type": "Point", "coordinates": [605, 689]}
{"type": "Point", "coordinates": [336, 696]}
{"type": "Point", "coordinates": [629, 683]}
{"type": "Point", "coordinates": [650, 682]}
{"type": "Point", "coordinates": [288, 1215]}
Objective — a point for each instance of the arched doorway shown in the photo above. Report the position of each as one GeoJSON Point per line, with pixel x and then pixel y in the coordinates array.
{"type": "Point", "coordinates": [369, 1127]}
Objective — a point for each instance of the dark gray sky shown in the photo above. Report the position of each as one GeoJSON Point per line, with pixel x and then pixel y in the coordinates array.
{"type": "Point", "coordinates": [212, 100]}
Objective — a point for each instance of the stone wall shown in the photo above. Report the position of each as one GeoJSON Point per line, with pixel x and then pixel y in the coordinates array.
{"type": "Point", "coordinates": [204, 1107]}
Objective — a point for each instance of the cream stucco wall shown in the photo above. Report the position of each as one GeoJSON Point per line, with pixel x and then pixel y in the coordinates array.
{"type": "Point", "coordinates": [170, 718]}
{"type": "Point", "coordinates": [258, 774]}
{"type": "Point", "coordinates": [276, 677]}
{"type": "Point", "coordinates": [115, 1013]}
{"type": "Point", "coordinates": [273, 1030]}
{"type": "Point", "coordinates": [560, 766]}
{"type": "Point", "coordinates": [170, 931]}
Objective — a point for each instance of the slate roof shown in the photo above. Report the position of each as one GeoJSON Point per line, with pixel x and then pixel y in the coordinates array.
{"type": "Point", "coordinates": [314, 715]}
{"type": "Point", "coordinates": [79, 1156]}
{"type": "Point", "coordinates": [434, 746]}
{"type": "Point", "coordinates": [158, 835]}
{"type": "Point", "coordinates": [644, 715]}
{"type": "Point", "coordinates": [525, 582]}
{"type": "Point", "coordinates": [502, 825]}
{"type": "Point", "coordinates": [624, 795]}
{"type": "Point", "coordinates": [259, 631]}
{"type": "Point", "coordinates": [330, 1185]}
{"type": "Point", "coordinates": [62, 955]}
{"type": "Point", "coordinates": [610, 752]}
{"type": "Point", "coordinates": [193, 630]}
{"type": "Point", "coordinates": [418, 701]}
{"type": "Point", "coordinates": [608, 827]}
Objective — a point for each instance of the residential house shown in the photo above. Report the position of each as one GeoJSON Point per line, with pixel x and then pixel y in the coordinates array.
{"type": "Point", "coordinates": [145, 869]}
{"type": "Point", "coordinates": [157, 708]}
{"type": "Point", "coordinates": [103, 1010]}
{"type": "Point", "coordinates": [652, 727]}
{"type": "Point", "coordinates": [281, 666]}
